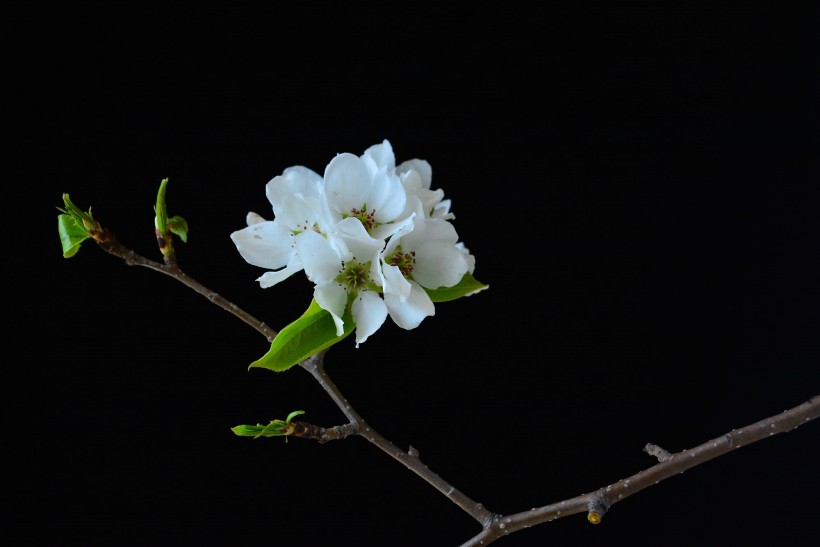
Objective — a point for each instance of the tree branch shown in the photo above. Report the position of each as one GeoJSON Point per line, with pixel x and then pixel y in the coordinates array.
{"type": "Point", "coordinates": [495, 526]}
{"type": "Point", "coordinates": [596, 503]}
{"type": "Point", "coordinates": [315, 366]}
{"type": "Point", "coordinates": [170, 268]}
{"type": "Point", "coordinates": [410, 459]}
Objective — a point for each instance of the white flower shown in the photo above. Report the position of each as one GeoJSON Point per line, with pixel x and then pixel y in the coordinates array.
{"type": "Point", "coordinates": [362, 189]}
{"type": "Point", "coordinates": [342, 281]}
{"type": "Point", "coordinates": [423, 254]}
{"type": "Point", "coordinates": [297, 198]}
{"type": "Point", "coordinates": [417, 176]}
{"type": "Point", "coordinates": [364, 229]}
{"type": "Point", "coordinates": [267, 244]}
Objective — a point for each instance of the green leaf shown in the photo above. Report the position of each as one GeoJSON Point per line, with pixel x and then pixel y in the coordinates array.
{"type": "Point", "coordinates": [466, 287]}
{"type": "Point", "coordinates": [160, 209]}
{"type": "Point", "coordinates": [72, 234]}
{"type": "Point", "coordinates": [276, 428]}
{"type": "Point", "coordinates": [248, 430]}
{"type": "Point", "coordinates": [178, 226]}
{"type": "Point", "coordinates": [313, 332]}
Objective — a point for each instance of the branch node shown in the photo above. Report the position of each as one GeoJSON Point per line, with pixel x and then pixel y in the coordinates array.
{"type": "Point", "coordinates": [658, 452]}
{"type": "Point", "coordinates": [597, 507]}
{"type": "Point", "coordinates": [412, 452]}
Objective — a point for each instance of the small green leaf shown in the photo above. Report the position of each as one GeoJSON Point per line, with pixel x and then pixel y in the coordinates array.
{"type": "Point", "coordinates": [178, 226]}
{"type": "Point", "coordinates": [248, 430]}
{"type": "Point", "coordinates": [72, 234]}
{"type": "Point", "coordinates": [160, 209]}
{"type": "Point", "coordinates": [466, 287]}
{"type": "Point", "coordinates": [276, 428]}
{"type": "Point", "coordinates": [313, 332]}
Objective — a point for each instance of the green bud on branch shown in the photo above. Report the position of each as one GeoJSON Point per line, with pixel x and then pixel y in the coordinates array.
{"type": "Point", "coordinates": [75, 226]}
{"type": "Point", "coordinates": [165, 226]}
{"type": "Point", "coordinates": [276, 428]}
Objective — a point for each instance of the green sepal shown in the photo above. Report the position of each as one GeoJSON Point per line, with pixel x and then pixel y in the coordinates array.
{"type": "Point", "coordinates": [72, 234]}
{"type": "Point", "coordinates": [313, 332]}
{"type": "Point", "coordinates": [466, 287]}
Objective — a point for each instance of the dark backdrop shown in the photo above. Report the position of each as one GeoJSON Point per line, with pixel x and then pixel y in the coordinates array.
{"type": "Point", "coordinates": [637, 181]}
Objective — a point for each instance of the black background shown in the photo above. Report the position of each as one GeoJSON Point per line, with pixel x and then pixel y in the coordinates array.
{"type": "Point", "coordinates": [638, 183]}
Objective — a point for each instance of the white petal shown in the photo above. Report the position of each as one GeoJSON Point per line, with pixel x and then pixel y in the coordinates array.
{"type": "Point", "coordinates": [333, 298]}
{"type": "Point", "coordinates": [303, 175]}
{"type": "Point", "coordinates": [347, 182]}
{"type": "Point", "coordinates": [269, 279]}
{"type": "Point", "coordinates": [321, 261]}
{"type": "Point", "coordinates": [296, 196]}
{"type": "Point", "coordinates": [442, 211]}
{"type": "Point", "coordinates": [395, 282]}
{"type": "Point", "coordinates": [439, 264]}
{"type": "Point", "coordinates": [298, 212]}
{"type": "Point", "coordinates": [428, 230]}
{"type": "Point", "coordinates": [408, 314]}
{"type": "Point", "coordinates": [386, 231]}
{"type": "Point", "coordinates": [293, 180]}
{"type": "Point", "coordinates": [357, 240]}
{"type": "Point", "coordinates": [422, 167]}
{"type": "Point", "coordinates": [380, 155]}
{"type": "Point", "coordinates": [369, 312]}
{"type": "Point", "coordinates": [253, 218]}
{"type": "Point", "coordinates": [387, 197]}
{"type": "Point", "coordinates": [470, 258]}
{"type": "Point", "coordinates": [265, 244]}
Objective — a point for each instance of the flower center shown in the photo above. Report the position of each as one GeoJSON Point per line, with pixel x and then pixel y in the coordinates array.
{"type": "Point", "coordinates": [403, 261]}
{"type": "Point", "coordinates": [367, 218]}
{"type": "Point", "coordinates": [355, 277]}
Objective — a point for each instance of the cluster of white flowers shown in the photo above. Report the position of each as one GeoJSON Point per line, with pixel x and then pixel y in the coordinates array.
{"type": "Point", "coordinates": [371, 236]}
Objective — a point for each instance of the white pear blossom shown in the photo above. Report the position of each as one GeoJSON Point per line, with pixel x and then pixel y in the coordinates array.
{"type": "Point", "coordinates": [423, 254]}
{"type": "Point", "coordinates": [371, 236]}
{"type": "Point", "coordinates": [341, 281]}
{"type": "Point", "coordinates": [362, 189]}
{"type": "Point", "coordinates": [297, 198]}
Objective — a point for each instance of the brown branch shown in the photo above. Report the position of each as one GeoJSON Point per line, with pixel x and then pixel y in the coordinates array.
{"type": "Point", "coordinates": [170, 268]}
{"type": "Point", "coordinates": [315, 366]}
{"type": "Point", "coordinates": [322, 435]}
{"type": "Point", "coordinates": [495, 526]}
{"type": "Point", "coordinates": [410, 459]}
{"type": "Point", "coordinates": [596, 503]}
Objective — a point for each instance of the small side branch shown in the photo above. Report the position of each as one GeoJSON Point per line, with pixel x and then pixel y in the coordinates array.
{"type": "Point", "coordinates": [321, 434]}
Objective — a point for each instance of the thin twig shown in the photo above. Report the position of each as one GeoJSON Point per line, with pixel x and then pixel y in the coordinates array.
{"type": "Point", "coordinates": [170, 268]}
{"type": "Point", "coordinates": [410, 459]}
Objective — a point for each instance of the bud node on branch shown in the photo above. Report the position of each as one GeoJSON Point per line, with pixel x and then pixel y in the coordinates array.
{"type": "Point", "coordinates": [658, 452]}
{"type": "Point", "coordinates": [597, 507]}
